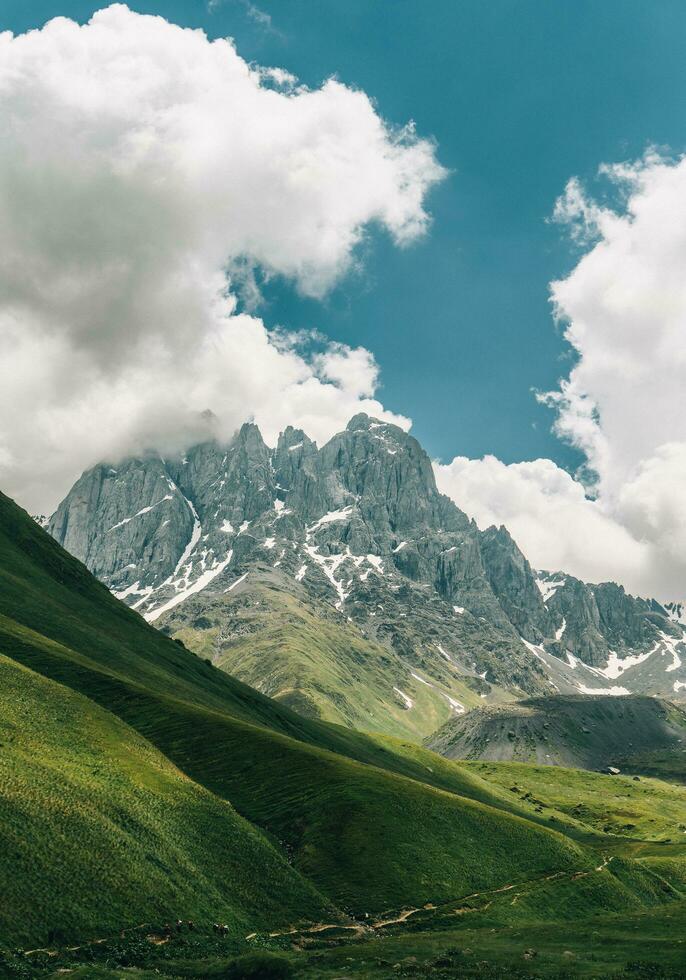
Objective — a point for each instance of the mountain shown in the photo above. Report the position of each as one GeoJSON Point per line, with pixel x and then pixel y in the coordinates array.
{"type": "Point", "coordinates": [570, 730]}
{"type": "Point", "coordinates": [339, 581]}
{"type": "Point", "coordinates": [140, 784]}
{"type": "Point", "coordinates": [120, 709]}
{"type": "Point", "coordinates": [608, 635]}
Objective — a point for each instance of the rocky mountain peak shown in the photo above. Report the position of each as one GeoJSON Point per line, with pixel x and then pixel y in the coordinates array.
{"type": "Point", "coordinates": [249, 440]}
{"type": "Point", "coordinates": [293, 439]}
{"type": "Point", "coordinates": [359, 527]}
{"type": "Point", "coordinates": [361, 421]}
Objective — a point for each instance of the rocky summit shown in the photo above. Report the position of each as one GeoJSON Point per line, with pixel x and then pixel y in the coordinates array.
{"type": "Point", "coordinates": [339, 580]}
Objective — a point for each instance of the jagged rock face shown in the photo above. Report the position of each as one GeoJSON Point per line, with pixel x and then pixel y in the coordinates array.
{"type": "Point", "coordinates": [391, 479]}
{"type": "Point", "coordinates": [575, 603]}
{"type": "Point", "coordinates": [513, 581]}
{"type": "Point", "coordinates": [624, 620]}
{"type": "Point", "coordinates": [610, 642]}
{"type": "Point", "coordinates": [359, 526]}
{"type": "Point", "coordinates": [295, 459]}
{"type": "Point", "coordinates": [125, 522]}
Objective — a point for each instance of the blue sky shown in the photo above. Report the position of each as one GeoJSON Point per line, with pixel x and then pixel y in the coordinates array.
{"type": "Point", "coordinates": [519, 96]}
{"type": "Point", "coordinates": [142, 164]}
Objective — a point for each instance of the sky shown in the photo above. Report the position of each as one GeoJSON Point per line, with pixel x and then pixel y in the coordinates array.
{"type": "Point", "coordinates": [449, 274]}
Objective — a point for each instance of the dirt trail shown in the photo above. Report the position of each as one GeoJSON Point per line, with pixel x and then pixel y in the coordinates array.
{"type": "Point", "coordinates": [91, 942]}
{"type": "Point", "coordinates": [402, 917]}
{"type": "Point", "coordinates": [522, 889]}
{"type": "Point", "coordinates": [357, 927]}
{"type": "Point", "coordinates": [561, 874]}
{"type": "Point", "coordinates": [361, 928]}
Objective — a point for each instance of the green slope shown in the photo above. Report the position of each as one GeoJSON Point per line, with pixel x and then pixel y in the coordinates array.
{"type": "Point", "coordinates": [99, 830]}
{"type": "Point", "coordinates": [372, 823]}
{"type": "Point", "coordinates": [638, 945]}
{"type": "Point", "coordinates": [369, 839]}
{"type": "Point", "coordinates": [298, 652]}
{"type": "Point", "coordinates": [647, 809]}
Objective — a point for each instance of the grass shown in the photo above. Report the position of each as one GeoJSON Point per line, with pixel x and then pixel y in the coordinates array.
{"type": "Point", "coordinates": [640, 944]}
{"type": "Point", "coordinates": [317, 664]}
{"type": "Point", "coordinates": [367, 838]}
{"type": "Point", "coordinates": [100, 831]}
{"type": "Point", "coordinates": [172, 788]}
{"type": "Point", "coordinates": [625, 946]}
{"type": "Point", "coordinates": [648, 809]}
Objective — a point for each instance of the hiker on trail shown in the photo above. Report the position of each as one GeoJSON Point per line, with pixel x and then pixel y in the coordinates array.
{"type": "Point", "coordinates": [225, 930]}
{"type": "Point", "coordinates": [167, 930]}
{"type": "Point", "coordinates": [215, 927]}
{"type": "Point", "coordinates": [179, 925]}
{"type": "Point", "coordinates": [191, 925]}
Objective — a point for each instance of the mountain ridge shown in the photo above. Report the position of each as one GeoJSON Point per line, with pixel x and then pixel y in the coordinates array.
{"type": "Point", "coordinates": [358, 531]}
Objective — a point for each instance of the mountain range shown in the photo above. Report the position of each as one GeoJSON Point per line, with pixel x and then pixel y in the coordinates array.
{"type": "Point", "coordinates": [140, 784]}
{"type": "Point", "coordinates": [339, 581]}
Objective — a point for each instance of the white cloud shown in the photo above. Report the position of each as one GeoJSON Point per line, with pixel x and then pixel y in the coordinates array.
{"type": "Point", "coordinates": [355, 370]}
{"type": "Point", "coordinates": [144, 169]}
{"type": "Point", "coordinates": [548, 515]}
{"type": "Point", "coordinates": [624, 403]}
{"type": "Point", "coordinates": [260, 17]}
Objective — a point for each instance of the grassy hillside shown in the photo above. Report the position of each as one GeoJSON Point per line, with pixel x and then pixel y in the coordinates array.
{"type": "Point", "coordinates": [645, 809]}
{"type": "Point", "coordinates": [369, 824]}
{"type": "Point", "coordinates": [586, 732]}
{"type": "Point", "coordinates": [367, 838]}
{"type": "Point", "coordinates": [100, 831]}
{"type": "Point", "coordinates": [297, 651]}
{"type": "Point", "coordinates": [635, 945]}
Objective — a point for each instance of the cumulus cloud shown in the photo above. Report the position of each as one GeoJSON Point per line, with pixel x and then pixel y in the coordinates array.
{"type": "Point", "coordinates": [146, 172]}
{"type": "Point", "coordinates": [623, 308]}
{"type": "Point", "coordinates": [549, 515]}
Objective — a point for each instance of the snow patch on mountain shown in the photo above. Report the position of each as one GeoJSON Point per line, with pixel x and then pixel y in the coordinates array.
{"type": "Point", "coordinates": [194, 538]}
{"type": "Point", "coordinates": [457, 707]}
{"type": "Point", "coordinates": [548, 586]}
{"type": "Point", "coordinates": [237, 582]}
{"type": "Point", "coordinates": [197, 586]}
{"type": "Point", "coordinates": [616, 666]}
{"type": "Point", "coordinates": [615, 691]}
{"type": "Point", "coordinates": [671, 643]}
{"type": "Point", "coordinates": [405, 697]}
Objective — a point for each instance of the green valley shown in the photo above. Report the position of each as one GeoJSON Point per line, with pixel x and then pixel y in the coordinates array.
{"type": "Point", "coordinates": [143, 784]}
